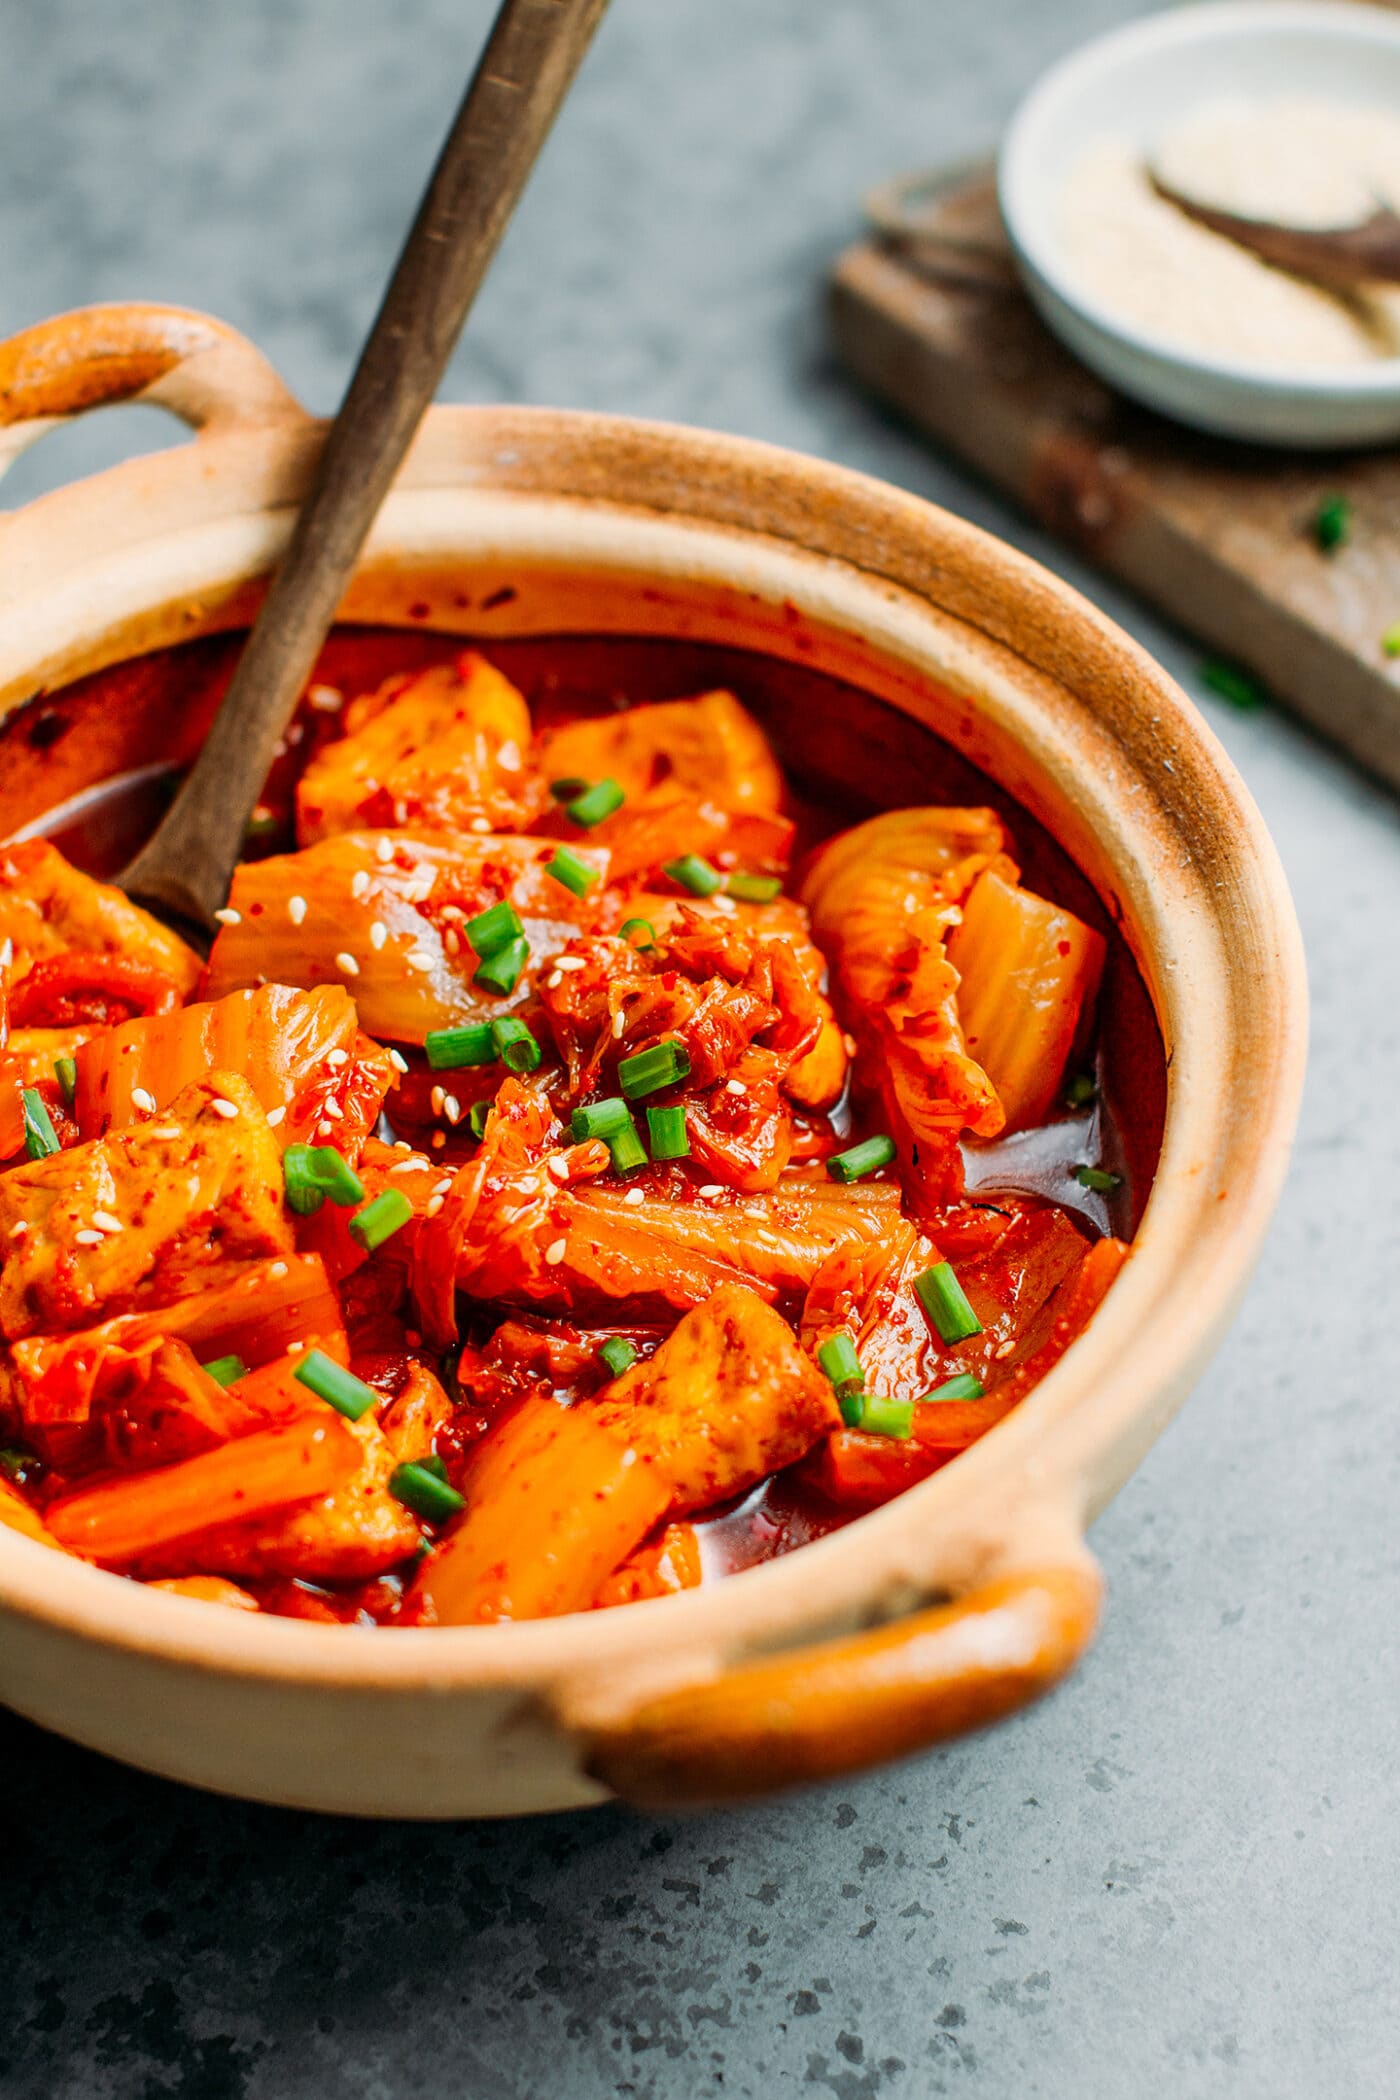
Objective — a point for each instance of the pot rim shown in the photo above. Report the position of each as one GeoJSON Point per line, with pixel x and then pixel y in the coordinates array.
{"type": "Point", "coordinates": [1182, 853]}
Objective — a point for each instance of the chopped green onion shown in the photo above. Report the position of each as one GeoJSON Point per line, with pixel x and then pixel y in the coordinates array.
{"type": "Point", "coordinates": [617, 1355]}
{"type": "Point", "coordinates": [519, 1050]}
{"type": "Point", "coordinates": [575, 874]}
{"type": "Point", "coordinates": [449, 1049]}
{"type": "Point", "coordinates": [417, 1486]}
{"type": "Point", "coordinates": [631, 926]}
{"type": "Point", "coordinates": [310, 1173]}
{"type": "Point", "coordinates": [501, 972]}
{"type": "Point", "coordinates": [694, 874]}
{"type": "Point", "coordinates": [666, 1132]}
{"type": "Point", "coordinates": [381, 1219]}
{"type": "Point", "coordinates": [963, 1387]}
{"type": "Point", "coordinates": [627, 1149]}
{"type": "Point", "coordinates": [331, 1382]}
{"type": "Point", "coordinates": [1081, 1090]}
{"type": "Point", "coordinates": [225, 1369]}
{"type": "Point", "coordinates": [1097, 1178]}
{"type": "Point", "coordinates": [1233, 685]}
{"type": "Point", "coordinates": [881, 1417]}
{"type": "Point", "coordinates": [476, 1118]}
{"type": "Point", "coordinates": [754, 889]}
{"type": "Point", "coordinates": [861, 1159]}
{"type": "Point", "coordinates": [40, 1137]}
{"type": "Point", "coordinates": [566, 790]}
{"type": "Point", "coordinates": [838, 1359]}
{"type": "Point", "coordinates": [494, 929]}
{"type": "Point", "coordinates": [594, 804]}
{"type": "Point", "coordinates": [945, 1301]}
{"type": "Point", "coordinates": [65, 1071]}
{"type": "Point", "coordinates": [599, 1119]}
{"type": "Point", "coordinates": [649, 1070]}
{"type": "Point", "coordinates": [1390, 640]}
{"type": "Point", "coordinates": [1332, 523]}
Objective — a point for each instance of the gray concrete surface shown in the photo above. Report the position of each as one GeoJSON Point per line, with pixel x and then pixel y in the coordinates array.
{"type": "Point", "coordinates": [1177, 1878]}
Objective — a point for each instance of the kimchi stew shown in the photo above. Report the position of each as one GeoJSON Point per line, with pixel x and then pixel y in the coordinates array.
{"type": "Point", "coordinates": [575, 1173]}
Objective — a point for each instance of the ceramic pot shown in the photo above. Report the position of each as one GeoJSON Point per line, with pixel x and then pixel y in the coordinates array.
{"type": "Point", "coordinates": [974, 1592]}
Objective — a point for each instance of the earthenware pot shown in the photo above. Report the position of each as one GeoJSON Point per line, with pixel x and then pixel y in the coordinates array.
{"type": "Point", "coordinates": [973, 1593]}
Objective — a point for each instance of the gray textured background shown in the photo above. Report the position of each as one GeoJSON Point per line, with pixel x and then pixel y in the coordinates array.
{"type": "Point", "coordinates": [1179, 1876]}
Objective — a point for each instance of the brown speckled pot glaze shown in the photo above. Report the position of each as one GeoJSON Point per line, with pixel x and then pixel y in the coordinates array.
{"type": "Point", "coordinates": [972, 1593]}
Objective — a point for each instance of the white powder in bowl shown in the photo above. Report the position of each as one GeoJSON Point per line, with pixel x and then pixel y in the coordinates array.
{"type": "Point", "coordinates": [1302, 163]}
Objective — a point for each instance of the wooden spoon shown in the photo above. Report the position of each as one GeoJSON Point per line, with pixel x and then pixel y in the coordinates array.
{"type": "Point", "coordinates": [533, 52]}
{"type": "Point", "coordinates": [1337, 256]}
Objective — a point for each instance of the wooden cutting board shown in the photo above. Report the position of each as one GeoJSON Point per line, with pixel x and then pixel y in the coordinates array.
{"type": "Point", "coordinates": [1218, 535]}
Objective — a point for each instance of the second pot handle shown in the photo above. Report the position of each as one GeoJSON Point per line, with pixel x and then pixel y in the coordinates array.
{"type": "Point", "coordinates": [848, 1704]}
{"type": "Point", "coordinates": [100, 356]}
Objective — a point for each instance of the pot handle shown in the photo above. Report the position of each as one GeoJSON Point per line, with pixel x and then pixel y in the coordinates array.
{"type": "Point", "coordinates": [99, 356]}
{"type": "Point", "coordinates": [851, 1703]}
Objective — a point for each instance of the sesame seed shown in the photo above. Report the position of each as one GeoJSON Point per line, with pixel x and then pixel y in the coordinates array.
{"type": "Point", "coordinates": [848, 1044]}
{"type": "Point", "coordinates": [726, 905]}
{"type": "Point", "coordinates": [274, 1117]}
{"type": "Point", "coordinates": [336, 1058]}
{"type": "Point", "coordinates": [325, 699]}
{"type": "Point", "coordinates": [452, 1108]}
{"type": "Point", "coordinates": [619, 1024]}
{"type": "Point", "coordinates": [144, 1099]}
{"type": "Point", "coordinates": [407, 1166]}
{"type": "Point", "coordinates": [629, 1457]}
{"type": "Point", "coordinates": [435, 1100]}
{"type": "Point", "coordinates": [378, 934]}
{"type": "Point", "coordinates": [452, 911]}
{"type": "Point", "coordinates": [554, 1253]}
{"type": "Point", "coordinates": [166, 1130]}
{"type": "Point", "coordinates": [712, 1188]}
{"type": "Point", "coordinates": [296, 909]}
{"type": "Point", "coordinates": [295, 1348]}
{"type": "Point", "coordinates": [400, 1064]}
{"type": "Point", "coordinates": [88, 1238]}
{"type": "Point", "coordinates": [19, 1229]}
{"type": "Point", "coordinates": [324, 1127]}
{"type": "Point", "coordinates": [558, 1166]}
{"type": "Point", "coordinates": [480, 824]}
{"type": "Point", "coordinates": [383, 852]}
{"type": "Point", "coordinates": [1006, 1347]}
{"type": "Point", "coordinates": [359, 882]}
{"type": "Point", "coordinates": [402, 1145]}
{"type": "Point", "coordinates": [435, 1204]}
{"type": "Point", "coordinates": [400, 812]}
{"type": "Point", "coordinates": [346, 964]}
{"type": "Point", "coordinates": [554, 980]}
{"type": "Point", "coordinates": [451, 942]}
{"type": "Point", "coordinates": [277, 1269]}
{"type": "Point", "coordinates": [570, 962]}
{"type": "Point", "coordinates": [227, 1109]}
{"type": "Point", "coordinates": [635, 1196]}
{"type": "Point", "coordinates": [419, 959]}
{"type": "Point", "coordinates": [735, 1086]}
{"type": "Point", "coordinates": [440, 1188]}
{"type": "Point", "coordinates": [332, 1109]}
{"type": "Point", "coordinates": [227, 916]}
{"type": "Point", "coordinates": [105, 1222]}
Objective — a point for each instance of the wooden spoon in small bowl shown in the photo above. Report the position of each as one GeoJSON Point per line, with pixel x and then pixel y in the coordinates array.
{"type": "Point", "coordinates": [534, 50]}
{"type": "Point", "coordinates": [1339, 257]}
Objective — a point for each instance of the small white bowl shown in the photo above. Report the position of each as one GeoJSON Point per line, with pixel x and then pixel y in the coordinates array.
{"type": "Point", "coordinates": [1133, 84]}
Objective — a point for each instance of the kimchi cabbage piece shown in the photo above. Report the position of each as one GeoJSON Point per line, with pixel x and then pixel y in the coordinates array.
{"type": "Point", "coordinates": [544, 1173]}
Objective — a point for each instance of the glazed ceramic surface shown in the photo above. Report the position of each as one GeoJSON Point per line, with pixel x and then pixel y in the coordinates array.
{"type": "Point", "coordinates": [1131, 85]}
{"type": "Point", "coordinates": [973, 1592]}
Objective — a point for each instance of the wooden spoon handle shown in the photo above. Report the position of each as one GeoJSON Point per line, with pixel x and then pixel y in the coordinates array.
{"type": "Point", "coordinates": [534, 50]}
{"type": "Point", "coordinates": [1336, 256]}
